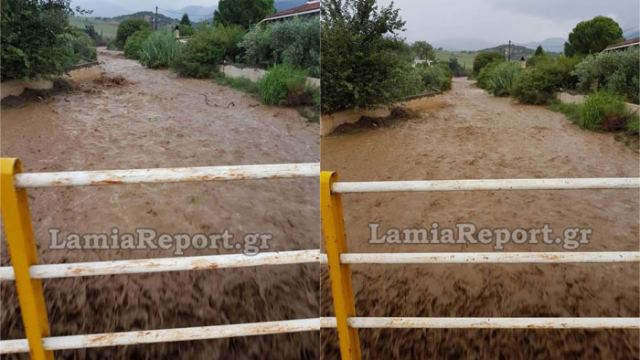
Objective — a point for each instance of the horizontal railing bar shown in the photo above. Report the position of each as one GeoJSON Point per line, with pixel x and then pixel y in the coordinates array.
{"type": "Point", "coordinates": [139, 266]}
{"type": "Point", "coordinates": [488, 184]}
{"type": "Point", "coordinates": [490, 257]}
{"type": "Point", "coordinates": [166, 175]}
{"type": "Point", "coordinates": [164, 335]}
{"type": "Point", "coordinates": [492, 323]}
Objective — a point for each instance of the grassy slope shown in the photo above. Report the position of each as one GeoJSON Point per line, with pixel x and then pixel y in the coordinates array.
{"type": "Point", "coordinates": [107, 28]}
{"type": "Point", "coordinates": [465, 59]}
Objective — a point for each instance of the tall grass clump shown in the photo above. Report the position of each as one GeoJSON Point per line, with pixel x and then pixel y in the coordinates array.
{"type": "Point", "coordinates": [159, 50]}
{"type": "Point", "coordinates": [284, 85]}
{"type": "Point", "coordinates": [604, 111]}
{"type": "Point", "coordinates": [499, 78]}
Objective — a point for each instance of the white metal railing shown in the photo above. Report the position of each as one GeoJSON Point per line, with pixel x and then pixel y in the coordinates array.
{"type": "Point", "coordinates": [164, 335]}
{"type": "Point", "coordinates": [166, 175]}
{"type": "Point", "coordinates": [137, 266]}
{"type": "Point", "coordinates": [153, 265]}
{"type": "Point", "coordinates": [487, 184]}
{"type": "Point", "coordinates": [340, 259]}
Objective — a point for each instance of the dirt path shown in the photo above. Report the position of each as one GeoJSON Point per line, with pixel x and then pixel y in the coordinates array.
{"type": "Point", "coordinates": [466, 134]}
{"type": "Point", "coordinates": [159, 120]}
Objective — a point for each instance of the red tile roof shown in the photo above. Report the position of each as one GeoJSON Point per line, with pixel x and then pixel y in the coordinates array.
{"type": "Point", "coordinates": [310, 7]}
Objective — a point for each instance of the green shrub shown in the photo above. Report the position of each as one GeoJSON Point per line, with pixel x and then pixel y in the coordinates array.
{"type": "Point", "coordinates": [241, 83]}
{"type": "Point", "coordinates": [633, 125]}
{"type": "Point", "coordinates": [134, 43]}
{"type": "Point", "coordinates": [499, 79]}
{"type": "Point", "coordinates": [617, 72]}
{"type": "Point", "coordinates": [604, 111]}
{"type": "Point", "coordinates": [84, 48]}
{"type": "Point", "coordinates": [127, 28]}
{"type": "Point", "coordinates": [436, 77]}
{"type": "Point", "coordinates": [284, 85]}
{"type": "Point", "coordinates": [208, 47]}
{"type": "Point", "coordinates": [158, 50]}
{"type": "Point", "coordinates": [570, 110]}
{"type": "Point", "coordinates": [409, 81]}
{"type": "Point", "coordinates": [35, 38]}
{"type": "Point", "coordinates": [484, 59]}
{"type": "Point", "coordinates": [295, 42]}
{"type": "Point", "coordinates": [537, 85]}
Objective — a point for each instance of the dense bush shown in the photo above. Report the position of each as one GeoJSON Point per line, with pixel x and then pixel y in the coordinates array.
{"type": "Point", "coordinates": [617, 72]}
{"type": "Point", "coordinates": [208, 47]}
{"type": "Point", "coordinates": [409, 81]}
{"type": "Point", "coordinates": [134, 43]}
{"type": "Point", "coordinates": [84, 48]}
{"type": "Point", "coordinates": [436, 77]}
{"type": "Point", "coordinates": [484, 59]}
{"type": "Point", "coordinates": [158, 50]}
{"type": "Point", "coordinates": [535, 86]}
{"type": "Point", "coordinates": [284, 85]}
{"type": "Point", "coordinates": [35, 38]}
{"type": "Point", "coordinates": [499, 78]}
{"type": "Point", "coordinates": [295, 42]}
{"type": "Point", "coordinates": [604, 111]}
{"type": "Point", "coordinates": [127, 28]}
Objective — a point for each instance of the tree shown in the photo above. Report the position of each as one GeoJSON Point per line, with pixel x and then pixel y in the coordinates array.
{"type": "Point", "coordinates": [593, 36]}
{"type": "Point", "coordinates": [36, 38]}
{"type": "Point", "coordinates": [539, 51]}
{"type": "Point", "coordinates": [358, 61]}
{"type": "Point", "coordinates": [127, 28]}
{"type": "Point", "coordinates": [484, 59]}
{"type": "Point", "coordinates": [423, 50]}
{"type": "Point", "coordinates": [242, 12]}
{"type": "Point", "coordinates": [185, 20]}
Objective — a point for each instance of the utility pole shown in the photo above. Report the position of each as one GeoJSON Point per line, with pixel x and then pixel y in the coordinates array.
{"type": "Point", "coordinates": [509, 58]}
{"type": "Point", "coordinates": [155, 22]}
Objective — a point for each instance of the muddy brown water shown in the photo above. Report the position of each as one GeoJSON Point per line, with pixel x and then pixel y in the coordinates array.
{"type": "Point", "coordinates": [158, 120]}
{"type": "Point", "coordinates": [466, 134]}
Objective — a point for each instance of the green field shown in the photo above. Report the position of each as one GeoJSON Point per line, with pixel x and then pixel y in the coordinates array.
{"type": "Point", "coordinates": [107, 28]}
{"type": "Point", "coordinates": [464, 58]}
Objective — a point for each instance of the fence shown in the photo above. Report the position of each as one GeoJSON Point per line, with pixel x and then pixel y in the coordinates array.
{"type": "Point", "coordinates": [339, 259]}
{"type": "Point", "coordinates": [28, 274]}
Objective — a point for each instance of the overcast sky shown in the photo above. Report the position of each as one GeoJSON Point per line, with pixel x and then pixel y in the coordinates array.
{"type": "Point", "coordinates": [502, 20]}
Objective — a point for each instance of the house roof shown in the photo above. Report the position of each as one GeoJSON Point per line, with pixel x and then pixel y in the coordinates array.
{"type": "Point", "coordinates": [309, 8]}
{"type": "Point", "coordinates": [624, 44]}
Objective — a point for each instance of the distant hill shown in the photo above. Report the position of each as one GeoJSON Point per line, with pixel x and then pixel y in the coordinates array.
{"type": "Point", "coordinates": [555, 45]}
{"type": "Point", "coordinates": [459, 44]}
{"type": "Point", "coordinates": [517, 51]}
{"type": "Point", "coordinates": [147, 16]}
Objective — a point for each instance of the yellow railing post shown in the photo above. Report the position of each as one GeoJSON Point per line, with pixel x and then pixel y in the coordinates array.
{"type": "Point", "coordinates": [23, 253]}
{"type": "Point", "coordinates": [340, 274]}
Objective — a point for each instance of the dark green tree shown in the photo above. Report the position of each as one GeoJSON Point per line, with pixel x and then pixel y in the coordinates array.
{"type": "Point", "coordinates": [539, 51]}
{"type": "Point", "coordinates": [36, 38]}
{"type": "Point", "coordinates": [423, 50]}
{"type": "Point", "coordinates": [483, 59]}
{"type": "Point", "coordinates": [242, 12]}
{"type": "Point", "coordinates": [358, 63]}
{"type": "Point", "coordinates": [127, 28]}
{"type": "Point", "coordinates": [185, 20]}
{"type": "Point", "coordinates": [593, 36]}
